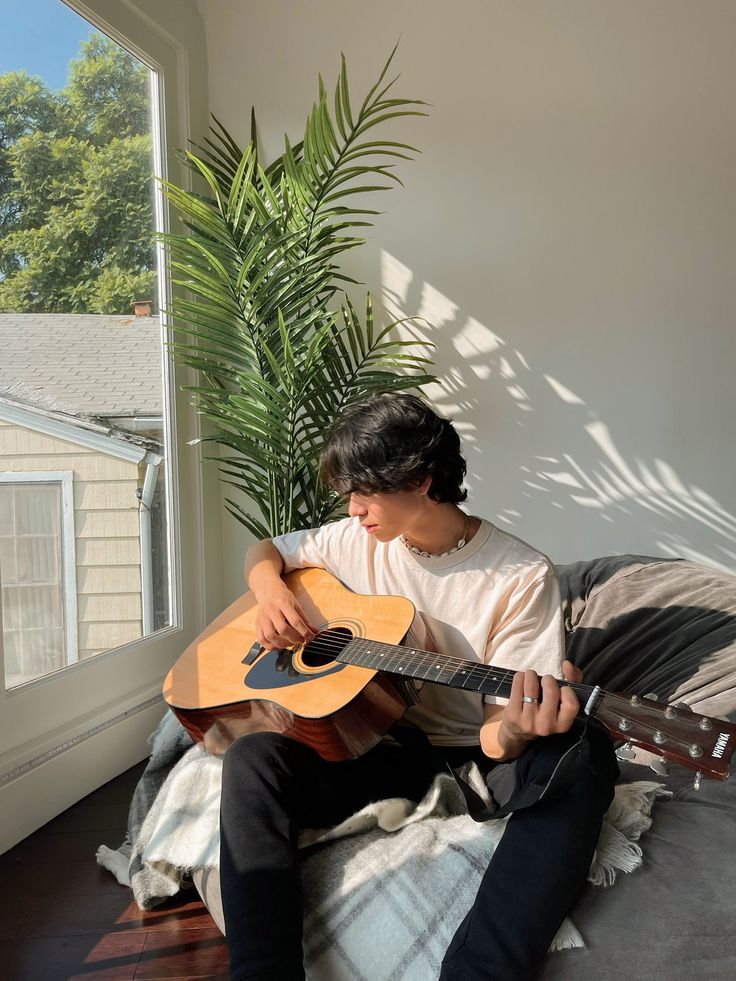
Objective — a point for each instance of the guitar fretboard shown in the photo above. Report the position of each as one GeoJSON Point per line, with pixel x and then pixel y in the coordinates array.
{"type": "Point", "coordinates": [454, 672]}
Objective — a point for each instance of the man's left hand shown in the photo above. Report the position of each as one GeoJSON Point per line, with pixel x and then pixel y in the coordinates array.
{"type": "Point", "coordinates": [555, 711]}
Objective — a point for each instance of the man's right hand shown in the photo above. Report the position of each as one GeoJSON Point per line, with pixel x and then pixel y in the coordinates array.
{"type": "Point", "coordinates": [281, 622]}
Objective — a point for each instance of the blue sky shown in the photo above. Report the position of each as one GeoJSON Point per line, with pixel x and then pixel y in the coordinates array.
{"type": "Point", "coordinates": [42, 36]}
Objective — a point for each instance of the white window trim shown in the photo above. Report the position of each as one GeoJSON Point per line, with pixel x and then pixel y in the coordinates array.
{"type": "Point", "coordinates": [65, 479]}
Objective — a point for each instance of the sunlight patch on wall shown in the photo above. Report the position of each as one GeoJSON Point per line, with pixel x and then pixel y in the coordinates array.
{"type": "Point", "coordinates": [396, 279]}
{"type": "Point", "coordinates": [436, 307]}
{"type": "Point", "coordinates": [564, 393]}
{"type": "Point", "coordinates": [597, 481]}
{"type": "Point", "coordinates": [475, 341]}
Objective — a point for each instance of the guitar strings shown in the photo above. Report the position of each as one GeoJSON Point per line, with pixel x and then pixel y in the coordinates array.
{"type": "Point", "coordinates": [330, 645]}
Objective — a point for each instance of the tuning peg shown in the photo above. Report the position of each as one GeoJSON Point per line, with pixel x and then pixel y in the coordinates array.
{"type": "Point", "coordinates": [660, 766]}
{"type": "Point", "coordinates": [626, 752]}
{"type": "Point", "coordinates": [696, 781]}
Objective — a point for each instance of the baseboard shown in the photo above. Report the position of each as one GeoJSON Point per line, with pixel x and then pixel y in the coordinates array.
{"type": "Point", "coordinates": [37, 789]}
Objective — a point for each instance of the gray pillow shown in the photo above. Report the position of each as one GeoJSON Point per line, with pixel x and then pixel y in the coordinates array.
{"type": "Point", "coordinates": [641, 624]}
{"type": "Point", "coordinates": [638, 623]}
{"type": "Point", "coordinates": [674, 918]}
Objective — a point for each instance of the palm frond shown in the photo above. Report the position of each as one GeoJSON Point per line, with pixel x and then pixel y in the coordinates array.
{"type": "Point", "coordinates": [262, 315]}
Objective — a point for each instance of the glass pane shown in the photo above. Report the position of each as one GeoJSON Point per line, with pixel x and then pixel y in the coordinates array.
{"type": "Point", "coordinates": [11, 650]}
{"type": "Point", "coordinates": [37, 510]}
{"type": "Point", "coordinates": [6, 510]}
{"type": "Point", "coordinates": [38, 559]}
{"type": "Point", "coordinates": [82, 345]}
{"type": "Point", "coordinates": [8, 564]}
{"type": "Point", "coordinates": [42, 651]}
{"type": "Point", "coordinates": [40, 607]}
{"type": "Point", "coordinates": [11, 610]}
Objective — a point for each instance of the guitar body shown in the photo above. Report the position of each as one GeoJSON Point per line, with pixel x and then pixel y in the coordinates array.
{"type": "Point", "coordinates": [225, 685]}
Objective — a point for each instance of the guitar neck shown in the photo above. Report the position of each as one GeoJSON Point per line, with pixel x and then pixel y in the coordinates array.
{"type": "Point", "coordinates": [454, 672]}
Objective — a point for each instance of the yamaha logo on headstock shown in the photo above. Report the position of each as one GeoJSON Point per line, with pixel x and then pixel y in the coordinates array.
{"type": "Point", "coordinates": [720, 746]}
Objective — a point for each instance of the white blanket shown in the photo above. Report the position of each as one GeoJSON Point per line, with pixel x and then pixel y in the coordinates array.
{"type": "Point", "coordinates": [410, 870]}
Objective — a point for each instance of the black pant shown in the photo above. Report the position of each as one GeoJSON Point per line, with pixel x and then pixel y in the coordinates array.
{"type": "Point", "coordinates": [272, 786]}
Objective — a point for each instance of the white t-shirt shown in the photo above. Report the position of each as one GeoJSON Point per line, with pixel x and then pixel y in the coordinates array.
{"type": "Point", "coordinates": [496, 600]}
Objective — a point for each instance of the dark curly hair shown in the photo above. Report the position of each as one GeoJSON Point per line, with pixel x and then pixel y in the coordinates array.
{"type": "Point", "coordinates": [389, 443]}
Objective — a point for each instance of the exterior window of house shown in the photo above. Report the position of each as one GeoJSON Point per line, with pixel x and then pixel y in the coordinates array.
{"type": "Point", "coordinates": [38, 601]}
{"type": "Point", "coordinates": [85, 560]}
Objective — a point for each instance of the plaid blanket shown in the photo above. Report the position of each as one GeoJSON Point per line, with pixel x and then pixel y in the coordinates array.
{"type": "Point", "coordinates": [405, 872]}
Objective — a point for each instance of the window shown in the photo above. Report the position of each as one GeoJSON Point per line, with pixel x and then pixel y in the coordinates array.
{"type": "Point", "coordinates": [85, 563]}
{"type": "Point", "coordinates": [145, 524]}
{"type": "Point", "coordinates": [37, 574]}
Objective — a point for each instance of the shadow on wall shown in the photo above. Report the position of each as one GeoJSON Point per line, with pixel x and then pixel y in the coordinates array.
{"type": "Point", "coordinates": [608, 486]}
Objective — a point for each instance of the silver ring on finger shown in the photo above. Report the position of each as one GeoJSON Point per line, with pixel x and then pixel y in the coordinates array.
{"type": "Point", "coordinates": [531, 699]}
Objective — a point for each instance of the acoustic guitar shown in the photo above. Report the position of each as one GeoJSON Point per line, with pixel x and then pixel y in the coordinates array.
{"type": "Point", "coordinates": [341, 692]}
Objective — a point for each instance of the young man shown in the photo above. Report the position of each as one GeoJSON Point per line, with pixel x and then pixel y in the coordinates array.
{"type": "Point", "coordinates": [480, 594]}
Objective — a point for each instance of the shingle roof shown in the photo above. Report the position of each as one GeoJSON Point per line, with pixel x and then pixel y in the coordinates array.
{"type": "Point", "coordinates": [82, 364]}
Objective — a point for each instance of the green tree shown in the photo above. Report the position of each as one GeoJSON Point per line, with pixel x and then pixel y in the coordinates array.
{"type": "Point", "coordinates": [26, 106]}
{"type": "Point", "coordinates": [76, 187]}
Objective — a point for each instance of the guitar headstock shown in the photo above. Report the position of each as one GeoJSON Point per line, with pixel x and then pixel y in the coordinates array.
{"type": "Point", "coordinates": [681, 736]}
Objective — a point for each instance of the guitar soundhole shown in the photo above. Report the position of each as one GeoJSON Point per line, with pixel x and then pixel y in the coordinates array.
{"type": "Point", "coordinates": [325, 648]}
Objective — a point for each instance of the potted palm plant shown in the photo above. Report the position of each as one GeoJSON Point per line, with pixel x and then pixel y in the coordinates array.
{"type": "Point", "coordinates": [279, 347]}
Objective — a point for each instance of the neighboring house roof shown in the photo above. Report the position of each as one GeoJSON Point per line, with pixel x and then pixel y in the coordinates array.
{"type": "Point", "coordinates": [87, 367]}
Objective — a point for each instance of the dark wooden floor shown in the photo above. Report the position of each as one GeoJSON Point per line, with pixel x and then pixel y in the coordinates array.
{"type": "Point", "coordinates": [64, 918]}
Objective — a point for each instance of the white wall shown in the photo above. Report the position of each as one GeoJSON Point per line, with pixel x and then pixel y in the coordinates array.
{"type": "Point", "coordinates": [569, 228]}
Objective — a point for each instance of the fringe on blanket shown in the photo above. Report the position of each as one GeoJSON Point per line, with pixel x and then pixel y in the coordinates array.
{"type": "Point", "coordinates": [628, 817]}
